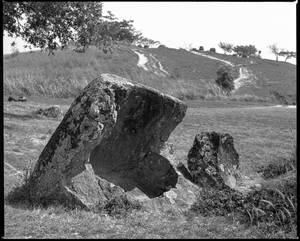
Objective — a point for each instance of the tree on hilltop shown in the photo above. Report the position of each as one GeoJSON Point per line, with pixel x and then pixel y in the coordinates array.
{"type": "Point", "coordinates": [287, 54]}
{"type": "Point", "coordinates": [143, 41]}
{"type": "Point", "coordinates": [227, 48]}
{"type": "Point", "coordinates": [275, 50]}
{"type": "Point", "coordinates": [48, 25]}
{"type": "Point", "coordinates": [245, 50]}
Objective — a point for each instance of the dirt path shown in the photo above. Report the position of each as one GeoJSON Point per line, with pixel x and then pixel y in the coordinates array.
{"type": "Point", "coordinates": [243, 78]}
{"type": "Point", "coordinates": [214, 58]}
{"type": "Point", "coordinates": [157, 64]}
{"type": "Point", "coordinates": [150, 63]}
{"type": "Point", "coordinates": [273, 106]}
{"type": "Point", "coordinates": [244, 75]}
{"type": "Point", "coordinates": [142, 60]}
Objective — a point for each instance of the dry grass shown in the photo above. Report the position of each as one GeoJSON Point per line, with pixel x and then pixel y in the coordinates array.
{"type": "Point", "coordinates": [260, 135]}
{"type": "Point", "coordinates": [68, 72]}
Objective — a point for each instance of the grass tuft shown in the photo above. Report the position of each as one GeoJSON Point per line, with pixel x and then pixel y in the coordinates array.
{"type": "Point", "coordinates": [272, 209]}
{"type": "Point", "coordinates": [120, 206]}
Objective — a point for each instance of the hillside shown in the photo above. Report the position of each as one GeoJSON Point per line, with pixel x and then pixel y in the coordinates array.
{"type": "Point", "coordinates": [176, 72]}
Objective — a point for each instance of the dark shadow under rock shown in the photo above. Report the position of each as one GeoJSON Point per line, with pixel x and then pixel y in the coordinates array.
{"type": "Point", "coordinates": [112, 135]}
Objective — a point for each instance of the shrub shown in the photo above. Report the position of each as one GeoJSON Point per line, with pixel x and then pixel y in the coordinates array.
{"type": "Point", "coordinates": [269, 209]}
{"type": "Point", "coordinates": [120, 206]}
{"type": "Point", "coordinates": [212, 50]}
{"type": "Point", "coordinates": [218, 202]}
{"type": "Point", "coordinates": [274, 170]}
{"type": "Point", "coordinates": [224, 78]}
{"type": "Point", "coordinates": [273, 208]}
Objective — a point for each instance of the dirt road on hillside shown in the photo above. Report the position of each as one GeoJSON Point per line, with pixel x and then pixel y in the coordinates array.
{"type": "Point", "coordinates": [244, 73]}
{"type": "Point", "coordinates": [150, 63]}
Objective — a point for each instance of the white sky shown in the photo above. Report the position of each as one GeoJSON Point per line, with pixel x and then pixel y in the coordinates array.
{"type": "Point", "coordinates": [180, 24]}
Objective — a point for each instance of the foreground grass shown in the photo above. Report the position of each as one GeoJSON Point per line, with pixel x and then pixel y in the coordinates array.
{"type": "Point", "coordinates": [260, 135]}
{"type": "Point", "coordinates": [55, 222]}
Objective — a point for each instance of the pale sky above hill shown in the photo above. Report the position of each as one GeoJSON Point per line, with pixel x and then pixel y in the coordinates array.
{"type": "Point", "coordinates": [194, 24]}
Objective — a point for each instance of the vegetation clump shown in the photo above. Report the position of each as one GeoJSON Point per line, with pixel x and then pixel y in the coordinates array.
{"type": "Point", "coordinates": [224, 78]}
{"type": "Point", "coordinates": [274, 169]}
{"type": "Point", "coordinates": [120, 206]}
{"type": "Point", "coordinates": [271, 209]}
{"type": "Point", "coordinates": [218, 201]}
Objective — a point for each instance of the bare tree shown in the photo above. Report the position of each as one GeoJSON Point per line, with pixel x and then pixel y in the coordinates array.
{"type": "Point", "coordinates": [287, 54]}
{"type": "Point", "coordinates": [227, 48]}
{"type": "Point", "coordinates": [275, 50]}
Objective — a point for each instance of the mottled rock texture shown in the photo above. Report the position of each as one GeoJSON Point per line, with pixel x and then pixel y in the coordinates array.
{"type": "Point", "coordinates": [213, 160]}
{"type": "Point", "coordinates": [111, 140]}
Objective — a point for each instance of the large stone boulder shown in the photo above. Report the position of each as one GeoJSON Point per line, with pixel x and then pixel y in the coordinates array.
{"type": "Point", "coordinates": [213, 160]}
{"type": "Point", "coordinates": [111, 140]}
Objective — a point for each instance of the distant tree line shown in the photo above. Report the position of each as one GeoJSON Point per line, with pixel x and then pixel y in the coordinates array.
{"type": "Point", "coordinates": [239, 50]}
{"type": "Point", "coordinates": [250, 50]}
{"type": "Point", "coordinates": [53, 25]}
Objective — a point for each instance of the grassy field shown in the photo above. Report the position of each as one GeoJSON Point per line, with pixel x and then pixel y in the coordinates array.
{"type": "Point", "coordinates": [262, 135]}
{"type": "Point", "coordinates": [191, 76]}
{"type": "Point", "coordinates": [269, 75]}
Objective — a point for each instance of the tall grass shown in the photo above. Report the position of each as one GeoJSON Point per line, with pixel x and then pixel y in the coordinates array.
{"type": "Point", "coordinates": [68, 72]}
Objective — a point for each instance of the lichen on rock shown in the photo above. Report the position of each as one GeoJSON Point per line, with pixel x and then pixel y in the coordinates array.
{"type": "Point", "coordinates": [113, 133]}
{"type": "Point", "coordinates": [213, 160]}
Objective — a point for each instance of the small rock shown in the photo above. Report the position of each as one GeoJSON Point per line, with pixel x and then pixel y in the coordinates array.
{"type": "Point", "coordinates": [10, 98]}
{"type": "Point", "coordinates": [21, 99]}
{"type": "Point", "coordinates": [53, 111]}
{"type": "Point", "coordinates": [257, 186]}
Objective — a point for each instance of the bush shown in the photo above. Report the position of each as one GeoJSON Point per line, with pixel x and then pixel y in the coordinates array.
{"type": "Point", "coordinates": [212, 50]}
{"type": "Point", "coordinates": [224, 78]}
{"type": "Point", "coordinates": [274, 170]}
{"type": "Point", "coordinates": [270, 209]}
{"type": "Point", "coordinates": [273, 208]}
{"type": "Point", "coordinates": [120, 206]}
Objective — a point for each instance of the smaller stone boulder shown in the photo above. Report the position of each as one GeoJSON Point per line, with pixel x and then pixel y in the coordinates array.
{"type": "Point", "coordinates": [213, 160]}
{"type": "Point", "coordinates": [52, 112]}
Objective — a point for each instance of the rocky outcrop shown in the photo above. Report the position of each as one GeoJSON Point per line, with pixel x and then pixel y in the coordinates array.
{"type": "Point", "coordinates": [213, 160]}
{"type": "Point", "coordinates": [52, 112]}
{"type": "Point", "coordinates": [112, 140]}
